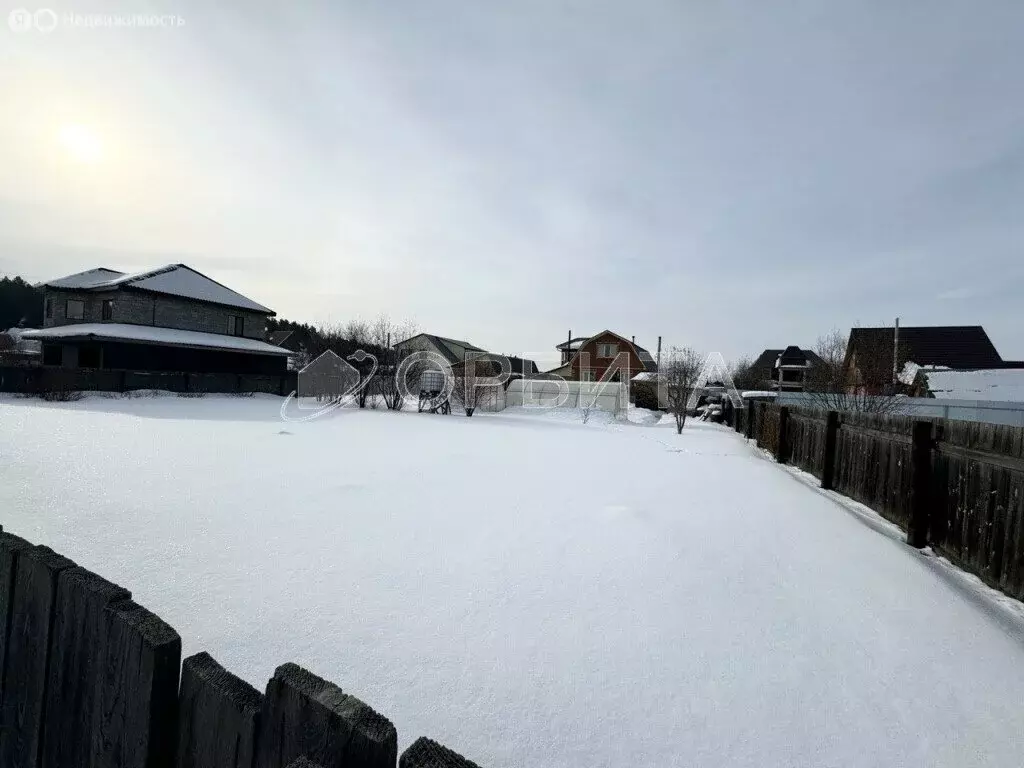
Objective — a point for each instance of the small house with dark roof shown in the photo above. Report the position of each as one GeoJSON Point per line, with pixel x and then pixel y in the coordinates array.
{"type": "Point", "coordinates": [869, 354]}
{"type": "Point", "coordinates": [170, 319]}
{"type": "Point", "coordinates": [589, 358]}
{"type": "Point", "coordinates": [456, 352]}
{"type": "Point", "coordinates": [785, 370]}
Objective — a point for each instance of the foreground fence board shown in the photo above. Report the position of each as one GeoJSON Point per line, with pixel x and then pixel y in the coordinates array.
{"type": "Point", "coordinates": [424, 753]}
{"type": "Point", "coordinates": [136, 707]}
{"type": "Point", "coordinates": [306, 715]}
{"type": "Point", "coordinates": [90, 679]}
{"type": "Point", "coordinates": [75, 664]}
{"type": "Point", "coordinates": [27, 655]}
{"type": "Point", "coordinates": [11, 547]}
{"type": "Point", "coordinates": [978, 516]}
{"type": "Point", "coordinates": [218, 716]}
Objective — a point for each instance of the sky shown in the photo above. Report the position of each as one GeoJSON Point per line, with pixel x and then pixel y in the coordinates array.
{"type": "Point", "coordinates": [731, 176]}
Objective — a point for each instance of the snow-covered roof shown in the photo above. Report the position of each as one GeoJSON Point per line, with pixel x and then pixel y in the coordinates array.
{"type": "Point", "coordinates": [1006, 384]}
{"type": "Point", "coordinates": [87, 279]}
{"type": "Point", "coordinates": [646, 376]}
{"type": "Point", "coordinates": [172, 279]}
{"type": "Point", "coordinates": [141, 334]}
{"type": "Point", "coordinates": [575, 343]}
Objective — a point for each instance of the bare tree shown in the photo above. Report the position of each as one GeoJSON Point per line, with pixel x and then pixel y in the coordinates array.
{"type": "Point", "coordinates": [744, 377]}
{"type": "Point", "coordinates": [832, 384]}
{"type": "Point", "coordinates": [384, 333]}
{"type": "Point", "coordinates": [473, 383]}
{"type": "Point", "coordinates": [355, 331]}
{"type": "Point", "coordinates": [680, 371]}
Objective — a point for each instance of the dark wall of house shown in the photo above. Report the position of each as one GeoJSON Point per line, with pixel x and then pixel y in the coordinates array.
{"type": "Point", "coordinates": [149, 357]}
{"type": "Point", "coordinates": [145, 308]}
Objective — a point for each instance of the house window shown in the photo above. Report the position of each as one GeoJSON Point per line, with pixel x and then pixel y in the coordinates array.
{"type": "Point", "coordinates": [236, 325]}
{"type": "Point", "coordinates": [90, 356]}
{"type": "Point", "coordinates": [74, 309]}
{"type": "Point", "coordinates": [588, 375]}
{"type": "Point", "coordinates": [53, 354]}
{"type": "Point", "coordinates": [607, 350]}
{"type": "Point", "coordinates": [49, 308]}
{"type": "Point", "coordinates": [108, 309]}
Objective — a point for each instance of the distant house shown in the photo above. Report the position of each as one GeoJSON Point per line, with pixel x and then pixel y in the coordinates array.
{"type": "Point", "coordinates": [784, 370]}
{"type": "Point", "coordinates": [168, 319]}
{"type": "Point", "coordinates": [456, 352]}
{"type": "Point", "coordinates": [589, 358]}
{"type": "Point", "coordinates": [869, 361]}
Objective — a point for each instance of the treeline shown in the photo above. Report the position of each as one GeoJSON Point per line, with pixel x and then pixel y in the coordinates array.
{"type": "Point", "coordinates": [343, 339]}
{"type": "Point", "coordinates": [20, 304]}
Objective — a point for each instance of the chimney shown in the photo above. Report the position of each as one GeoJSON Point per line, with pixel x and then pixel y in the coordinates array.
{"type": "Point", "coordinates": [658, 360]}
{"type": "Point", "coordinates": [634, 339]}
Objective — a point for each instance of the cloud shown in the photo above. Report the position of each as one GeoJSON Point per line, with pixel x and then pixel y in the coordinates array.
{"type": "Point", "coordinates": [729, 178]}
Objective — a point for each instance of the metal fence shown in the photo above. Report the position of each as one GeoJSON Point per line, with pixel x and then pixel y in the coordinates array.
{"type": "Point", "coordinates": [1007, 413]}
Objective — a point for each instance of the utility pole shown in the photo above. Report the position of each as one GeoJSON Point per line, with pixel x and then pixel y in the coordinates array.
{"type": "Point", "coordinates": [896, 353]}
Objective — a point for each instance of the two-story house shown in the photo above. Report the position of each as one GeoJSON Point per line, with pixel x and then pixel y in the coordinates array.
{"type": "Point", "coordinates": [588, 358]}
{"type": "Point", "coordinates": [168, 319]}
{"type": "Point", "coordinates": [785, 370]}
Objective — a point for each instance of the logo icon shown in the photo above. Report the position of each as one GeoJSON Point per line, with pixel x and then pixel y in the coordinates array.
{"type": "Point", "coordinates": [46, 20]}
{"type": "Point", "coordinates": [20, 20]}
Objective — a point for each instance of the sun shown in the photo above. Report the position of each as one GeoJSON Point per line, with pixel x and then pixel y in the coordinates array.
{"type": "Point", "coordinates": [81, 143]}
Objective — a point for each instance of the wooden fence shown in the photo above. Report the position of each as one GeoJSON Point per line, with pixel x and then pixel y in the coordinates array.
{"type": "Point", "coordinates": [38, 380]}
{"type": "Point", "coordinates": [91, 679]}
{"type": "Point", "coordinates": [957, 486]}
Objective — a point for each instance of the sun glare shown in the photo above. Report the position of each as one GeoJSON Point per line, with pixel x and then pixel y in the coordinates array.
{"type": "Point", "coordinates": [81, 144]}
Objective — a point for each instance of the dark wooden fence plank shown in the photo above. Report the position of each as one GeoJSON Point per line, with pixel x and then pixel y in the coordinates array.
{"type": "Point", "coordinates": [782, 441]}
{"type": "Point", "coordinates": [306, 715]}
{"type": "Point", "coordinates": [136, 705]}
{"type": "Point", "coordinates": [424, 753]}
{"type": "Point", "coordinates": [75, 665]}
{"type": "Point", "coordinates": [218, 716]}
{"type": "Point", "coordinates": [921, 485]}
{"type": "Point", "coordinates": [11, 547]}
{"type": "Point", "coordinates": [27, 656]}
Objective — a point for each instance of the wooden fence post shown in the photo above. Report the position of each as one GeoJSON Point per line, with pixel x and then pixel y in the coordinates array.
{"type": "Point", "coordinates": [750, 419]}
{"type": "Point", "coordinates": [306, 715]}
{"type": "Point", "coordinates": [782, 452]}
{"type": "Point", "coordinates": [218, 716]}
{"type": "Point", "coordinates": [424, 753]}
{"type": "Point", "coordinates": [135, 719]}
{"type": "Point", "coordinates": [828, 472]}
{"type": "Point", "coordinates": [27, 655]}
{"type": "Point", "coordinates": [920, 478]}
{"type": "Point", "coordinates": [75, 658]}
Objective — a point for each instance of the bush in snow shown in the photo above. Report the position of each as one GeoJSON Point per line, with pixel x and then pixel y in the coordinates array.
{"type": "Point", "coordinates": [680, 372]}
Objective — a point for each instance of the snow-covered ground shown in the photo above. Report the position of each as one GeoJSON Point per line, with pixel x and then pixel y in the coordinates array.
{"type": "Point", "coordinates": [528, 589]}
